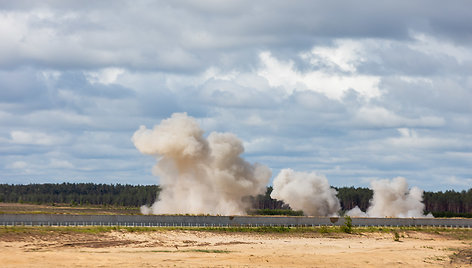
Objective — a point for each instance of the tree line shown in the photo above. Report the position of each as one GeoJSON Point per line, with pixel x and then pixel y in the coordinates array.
{"type": "Point", "coordinates": [80, 194]}
{"type": "Point", "coordinates": [442, 204]}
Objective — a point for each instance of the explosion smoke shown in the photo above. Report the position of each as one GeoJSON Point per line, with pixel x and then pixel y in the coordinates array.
{"type": "Point", "coordinates": [393, 199]}
{"type": "Point", "coordinates": [198, 174]}
{"type": "Point", "coordinates": [306, 191]}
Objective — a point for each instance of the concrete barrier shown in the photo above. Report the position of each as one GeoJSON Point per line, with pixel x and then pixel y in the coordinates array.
{"type": "Point", "coordinates": [198, 221]}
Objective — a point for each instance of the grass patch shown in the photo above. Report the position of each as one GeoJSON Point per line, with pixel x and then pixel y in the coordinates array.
{"type": "Point", "coordinates": [453, 233]}
{"type": "Point", "coordinates": [396, 236]}
{"type": "Point", "coordinates": [104, 229]}
{"type": "Point", "coordinates": [347, 226]}
{"type": "Point", "coordinates": [23, 208]}
{"type": "Point", "coordinates": [192, 250]}
{"type": "Point", "coordinates": [271, 229]}
{"type": "Point", "coordinates": [208, 250]}
{"type": "Point", "coordinates": [324, 230]}
{"type": "Point", "coordinates": [459, 233]}
{"type": "Point", "coordinates": [73, 229]}
{"type": "Point", "coordinates": [243, 229]}
{"type": "Point", "coordinates": [49, 229]}
{"type": "Point", "coordinates": [461, 257]}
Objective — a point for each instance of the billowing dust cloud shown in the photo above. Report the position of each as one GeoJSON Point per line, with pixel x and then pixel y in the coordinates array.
{"type": "Point", "coordinates": [392, 198]}
{"type": "Point", "coordinates": [308, 192]}
{"type": "Point", "coordinates": [198, 174]}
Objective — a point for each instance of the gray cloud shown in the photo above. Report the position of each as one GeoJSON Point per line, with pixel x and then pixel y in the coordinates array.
{"type": "Point", "coordinates": [353, 90]}
{"type": "Point", "coordinates": [188, 36]}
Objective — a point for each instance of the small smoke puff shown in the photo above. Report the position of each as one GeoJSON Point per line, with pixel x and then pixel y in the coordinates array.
{"type": "Point", "coordinates": [198, 174]}
{"type": "Point", "coordinates": [392, 198]}
{"type": "Point", "coordinates": [356, 212]}
{"type": "Point", "coordinates": [145, 210]}
{"type": "Point", "coordinates": [308, 192]}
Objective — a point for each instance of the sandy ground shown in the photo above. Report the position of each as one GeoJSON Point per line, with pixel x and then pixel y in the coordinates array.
{"type": "Point", "coordinates": [206, 249]}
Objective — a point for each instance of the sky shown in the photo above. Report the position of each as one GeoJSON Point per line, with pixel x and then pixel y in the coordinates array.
{"type": "Point", "coordinates": [353, 90]}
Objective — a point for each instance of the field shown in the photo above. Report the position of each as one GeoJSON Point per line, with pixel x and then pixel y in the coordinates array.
{"type": "Point", "coordinates": [67, 209]}
{"type": "Point", "coordinates": [24, 246]}
{"type": "Point", "coordinates": [235, 247]}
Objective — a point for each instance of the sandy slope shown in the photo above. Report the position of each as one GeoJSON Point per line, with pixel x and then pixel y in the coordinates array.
{"type": "Point", "coordinates": [205, 249]}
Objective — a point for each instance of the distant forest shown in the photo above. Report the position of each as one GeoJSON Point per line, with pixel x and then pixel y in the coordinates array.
{"type": "Point", "coordinates": [442, 204]}
{"type": "Point", "coordinates": [79, 194]}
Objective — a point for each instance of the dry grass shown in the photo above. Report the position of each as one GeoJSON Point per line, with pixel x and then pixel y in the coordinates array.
{"type": "Point", "coordinates": [67, 209]}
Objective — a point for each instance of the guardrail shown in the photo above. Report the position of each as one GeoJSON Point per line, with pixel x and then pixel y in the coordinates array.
{"type": "Point", "coordinates": [219, 221]}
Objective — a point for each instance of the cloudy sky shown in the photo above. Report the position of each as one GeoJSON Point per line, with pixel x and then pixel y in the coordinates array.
{"type": "Point", "coordinates": [354, 90]}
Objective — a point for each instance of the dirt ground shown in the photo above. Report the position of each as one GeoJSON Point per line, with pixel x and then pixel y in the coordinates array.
{"type": "Point", "coordinates": [184, 248]}
{"type": "Point", "coordinates": [67, 209]}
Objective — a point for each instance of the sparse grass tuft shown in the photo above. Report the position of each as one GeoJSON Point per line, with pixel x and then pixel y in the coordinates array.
{"type": "Point", "coordinates": [208, 250]}
{"type": "Point", "coordinates": [323, 230]}
{"type": "Point", "coordinates": [396, 236]}
{"type": "Point", "coordinates": [347, 226]}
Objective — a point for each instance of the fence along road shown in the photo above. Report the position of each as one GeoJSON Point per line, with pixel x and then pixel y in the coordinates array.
{"type": "Point", "coordinates": [215, 221]}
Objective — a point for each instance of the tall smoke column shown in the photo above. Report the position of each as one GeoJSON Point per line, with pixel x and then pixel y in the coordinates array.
{"type": "Point", "coordinates": [393, 199]}
{"type": "Point", "coordinates": [306, 191]}
{"type": "Point", "coordinates": [198, 174]}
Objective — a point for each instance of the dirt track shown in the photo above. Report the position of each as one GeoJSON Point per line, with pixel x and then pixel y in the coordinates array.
{"type": "Point", "coordinates": [207, 249]}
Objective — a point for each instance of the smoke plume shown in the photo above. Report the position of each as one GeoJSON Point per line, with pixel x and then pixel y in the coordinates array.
{"type": "Point", "coordinates": [306, 191]}
{"type": "Point", "coordinates": [392, 198]}
{"type": "Point", "coordinates": [198, 174]}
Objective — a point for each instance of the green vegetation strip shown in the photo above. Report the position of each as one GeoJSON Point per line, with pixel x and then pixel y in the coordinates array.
{"type": "Point", "coordinates": [167, 251]}
{"type": "Point", "coordinates": [207, 250]}
{"type": "Point", "coordinates": [460, 233]}
{"type": "Point", "coordinates": [192, 250]}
